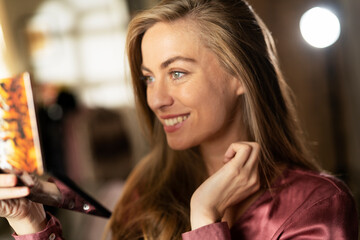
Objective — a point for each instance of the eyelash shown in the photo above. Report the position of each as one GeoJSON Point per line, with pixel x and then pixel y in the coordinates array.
{"type": "Point", "coordinates": [149, 79]}
{"type": "Point", "coordinates": [177, 72]}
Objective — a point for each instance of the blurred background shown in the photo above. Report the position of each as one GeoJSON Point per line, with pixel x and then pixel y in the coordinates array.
{"type": "Point", "coordinates": [74, 51]}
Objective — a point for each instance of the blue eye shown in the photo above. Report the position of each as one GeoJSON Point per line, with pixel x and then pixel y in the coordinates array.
{"type": "Point", "coordinates": [175, 75]}
{"type": "Point", "coordinates": [148, 79]}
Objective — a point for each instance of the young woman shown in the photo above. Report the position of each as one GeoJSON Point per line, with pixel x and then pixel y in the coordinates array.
{"type": "Point", "coordinates": [227, 159]}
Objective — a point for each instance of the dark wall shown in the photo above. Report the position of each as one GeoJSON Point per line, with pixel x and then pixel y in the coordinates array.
{"type": "Point", "coordinates": [326, 82]}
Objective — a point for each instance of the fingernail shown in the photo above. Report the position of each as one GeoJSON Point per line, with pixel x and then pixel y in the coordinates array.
{"type": "Point", "coordinates": [27, 179]}
{"type": "Point", "coordinates": [24, 190]}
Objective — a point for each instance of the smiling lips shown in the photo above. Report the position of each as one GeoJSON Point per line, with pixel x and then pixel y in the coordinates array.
{"type": "Point", "coordinates": [171, 124]}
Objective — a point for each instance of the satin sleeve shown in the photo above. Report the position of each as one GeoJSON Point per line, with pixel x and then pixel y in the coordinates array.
{"type": "Point", "coordinates": [72, 200]}
{"type": "Point", "coordinates": [334, 217]}
{"type": "Point", "coordinates": [214, 231]}
{"type": "Point", "coordinates": [52, 231]}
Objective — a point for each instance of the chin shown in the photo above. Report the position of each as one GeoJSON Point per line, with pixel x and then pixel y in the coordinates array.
{"type": "Point", "coordinates": [177, 145]}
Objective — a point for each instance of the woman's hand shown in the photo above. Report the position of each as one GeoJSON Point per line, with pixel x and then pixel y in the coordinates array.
{"type": "Point", "coordinates": [24, 216]}
{"type": "Point", "coordinates": [231, 184]}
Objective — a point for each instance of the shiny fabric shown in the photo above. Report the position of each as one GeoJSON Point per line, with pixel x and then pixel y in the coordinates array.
{"type": "Point", "coordinates": [72, 200]}
{"type": "Point", "coordinates": [52, 231]}
{"type": "Point", "coordinates": [300, 205]}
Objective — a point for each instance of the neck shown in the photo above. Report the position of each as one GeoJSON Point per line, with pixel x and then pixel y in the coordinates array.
{"type": "Point", "coordinates": [213, 150]}
{"type": "Point", "coordinates": [213, 155]}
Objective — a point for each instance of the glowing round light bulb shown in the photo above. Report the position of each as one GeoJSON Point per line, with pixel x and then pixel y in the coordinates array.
{"type": "Point", "coordinates": [320, 27]}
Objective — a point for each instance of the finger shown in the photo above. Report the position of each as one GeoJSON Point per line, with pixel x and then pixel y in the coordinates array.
{"type": "Point", "coordinates": [229, 154]}
{"type": "Point", "coordinates": [238, 153]}
{"type": "Point", "coordinates": [8, 180]}
{"type": "Point", "coordinates": [253, 159]}
{"type": "Point", "coordinates": [12, 193]}
{"type": "Point", "coordinates": [231, 151]}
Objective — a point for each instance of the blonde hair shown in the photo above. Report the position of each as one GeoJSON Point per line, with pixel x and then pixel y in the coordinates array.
{"type": "Point", "coordinates": [156, 200]}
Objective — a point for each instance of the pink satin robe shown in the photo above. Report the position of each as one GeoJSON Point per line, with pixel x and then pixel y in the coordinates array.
{"type": "Point", "coordinates": [302, 205]}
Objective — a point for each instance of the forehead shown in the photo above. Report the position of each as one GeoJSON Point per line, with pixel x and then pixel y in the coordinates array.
{"type": "Point", "coordinates": [164, 40]}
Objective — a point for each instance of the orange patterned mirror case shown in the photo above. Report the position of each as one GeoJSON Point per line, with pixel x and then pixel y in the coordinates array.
{"type": "Point", "coordinates": [19, 139]}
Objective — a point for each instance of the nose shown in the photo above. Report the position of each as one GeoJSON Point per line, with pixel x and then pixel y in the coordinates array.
{"type": "Point", "coordinates": [159, 96]}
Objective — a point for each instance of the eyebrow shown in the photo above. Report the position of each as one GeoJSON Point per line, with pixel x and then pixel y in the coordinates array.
{"type": "Point", "coordinates": [170, 61]}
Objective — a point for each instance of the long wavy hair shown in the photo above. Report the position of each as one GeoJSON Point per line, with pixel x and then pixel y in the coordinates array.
{"type": "Point", "coordinates": [155, 203]}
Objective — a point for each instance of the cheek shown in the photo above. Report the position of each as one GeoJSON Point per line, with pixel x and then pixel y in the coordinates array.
{"type": "Point", "coordinates": [218, 106]}
{"type": "Point", "coordinates": [212, 114]}
{"type": "Point", "coordinates": [211, 106]}
{"type": "Point", "coordinates": [209, 101]}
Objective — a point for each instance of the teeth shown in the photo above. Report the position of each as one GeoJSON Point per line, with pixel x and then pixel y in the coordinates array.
{"type": "Point", "coordinates": [173, 121]}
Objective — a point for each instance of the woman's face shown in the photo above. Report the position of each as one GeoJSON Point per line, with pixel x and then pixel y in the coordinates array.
{"type": "Point", "coordinates": [193, 97]}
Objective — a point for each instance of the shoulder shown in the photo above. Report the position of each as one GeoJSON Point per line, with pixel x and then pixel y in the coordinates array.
{"type": "Point", "coordinates": [299, 191]}
{"type": "Point", "coordinates": [310, 185]}
{"type": "Point", "coordinates": [316, 199]}
{"type": "Point", "coordinates": [301, 204]}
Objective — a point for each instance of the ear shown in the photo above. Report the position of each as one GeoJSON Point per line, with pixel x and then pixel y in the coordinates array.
{"type": "Point", "coordinates": [238, 86]}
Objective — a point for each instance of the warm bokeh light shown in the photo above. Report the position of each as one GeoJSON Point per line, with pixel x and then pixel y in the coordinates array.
{"type": "Point", "coordinates": [80, 44]}
{"type": "Point", "coordinates": [320, 27]}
